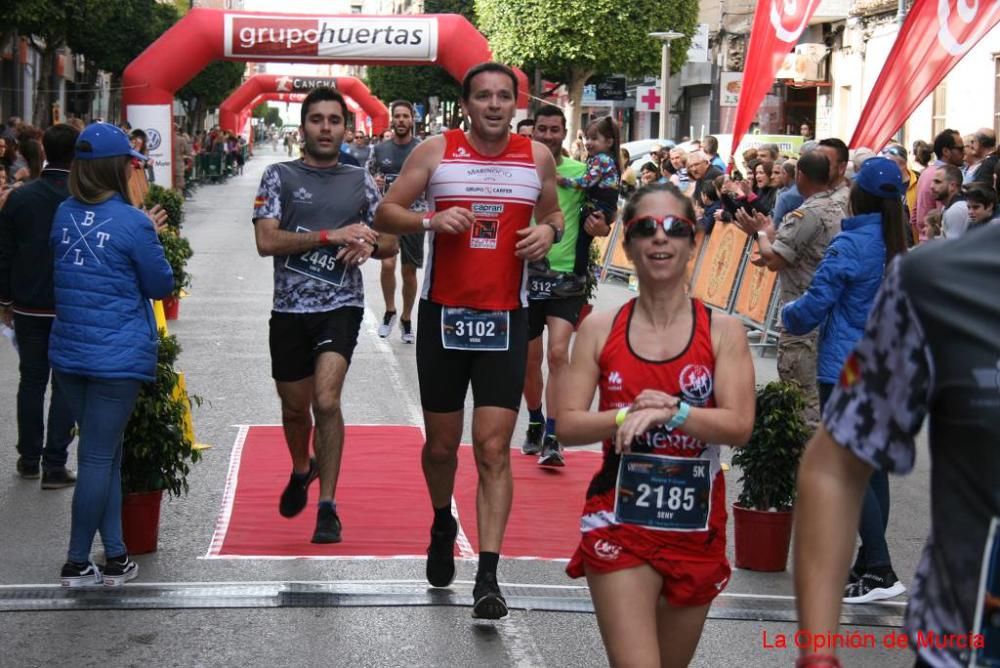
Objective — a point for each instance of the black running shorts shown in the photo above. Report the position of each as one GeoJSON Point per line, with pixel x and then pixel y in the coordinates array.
{"type": "Point", "coordinates": [297, 339]}
{"type": "Point", "coordinates": [567, 309]}
{"type": "Point", "coordinates": [497, 377]}
{"type": "Point", "coordinates": [411, 249]}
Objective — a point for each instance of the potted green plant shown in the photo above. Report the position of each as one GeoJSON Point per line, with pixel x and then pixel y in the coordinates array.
{"type": "Point", "coordinates": [157, 451]}
{"type": "Point", "coordinates": [171, 201]}
{"type": "Point", "coordinates": [178, 251]}
{"type": "Point", "coordinates": [769, 463]}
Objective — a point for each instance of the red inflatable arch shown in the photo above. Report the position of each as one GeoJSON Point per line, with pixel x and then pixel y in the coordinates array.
{"type": "Point", "coordinates": [360, 116]}
{"type": "Point", "coordinates": [206, 35]}
{"type": "Point", "coordinates": [231, 108]}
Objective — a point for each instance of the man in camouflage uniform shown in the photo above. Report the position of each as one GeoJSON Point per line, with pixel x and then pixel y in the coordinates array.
{"type": "Point", "coordinates": [794, 251]}
{"type": "Point", "coordinates": [836, 152]}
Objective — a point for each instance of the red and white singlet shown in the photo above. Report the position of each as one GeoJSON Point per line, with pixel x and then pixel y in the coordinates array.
{"type": "Point", "coordinates": [478, 269]}
{"type": "Point", "coordinates": [624, 375]}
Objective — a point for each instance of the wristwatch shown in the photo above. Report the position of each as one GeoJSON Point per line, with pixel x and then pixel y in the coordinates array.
{"type": "Point", "coordinates": [680, 417]}
{"type": "Point", "coordinates": [426, 222]}
{"type": "Point", "coordinates": [559, 233]}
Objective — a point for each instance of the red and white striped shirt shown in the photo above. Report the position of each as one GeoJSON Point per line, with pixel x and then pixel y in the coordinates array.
{"type": "Point", "coordinates": [478, 269]}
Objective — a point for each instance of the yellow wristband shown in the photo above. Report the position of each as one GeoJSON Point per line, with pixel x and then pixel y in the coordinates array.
{"type": "Point", "coordinates": [620, 417]}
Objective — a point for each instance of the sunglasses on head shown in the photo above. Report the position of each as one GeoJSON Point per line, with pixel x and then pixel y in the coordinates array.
{"type": "Point", "coordinates": [645, 226]}
{"type": "Point", "coordinates": [896, 151]}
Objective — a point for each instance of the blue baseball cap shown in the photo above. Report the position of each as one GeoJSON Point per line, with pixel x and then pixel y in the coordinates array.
{"type": "Point", "coordinates": [880, 177]}
{"type": "Point", "coordinates": [104, 140]}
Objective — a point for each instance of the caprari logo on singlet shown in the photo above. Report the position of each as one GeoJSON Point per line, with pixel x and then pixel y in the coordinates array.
{"type": "Point", "coordinates": [487, 209]}
{"type": "Point", "coordinates": [460, 152]}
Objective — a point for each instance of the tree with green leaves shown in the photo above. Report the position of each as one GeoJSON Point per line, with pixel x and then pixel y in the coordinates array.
{"type": "Point", "coordinates": [270, 115]}
{"type": "Point", "coordinates": [419, 83]}
{"type": "Point", "coordinates": [207, 90]}
{"type": "Point", "coordinates": [94, 28]}
{"type": "Point", "coordinates": [571, 41]}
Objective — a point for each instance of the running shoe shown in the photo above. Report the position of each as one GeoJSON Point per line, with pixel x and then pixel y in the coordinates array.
{"type": "Point", "coordinates": [551, 453]}
{"type": "Point", "coordinates": [58, 478]}
{"type": "Point", "coordinates": [327, 526]}
{"type": "Point", "coordinates": [488, 602]}
{"type": "Point", "coordinates": [533, 440]}
{"type": "Point", "coordinates": [388, 322]}
{"type": "Point", "coordinates": [874, 587]}
{"type": "Point", "coordinates": [119, 570]}
{"type": "Point", "coordinates": [296, 493]}
{"type": "Point", "coordinates": [406, 331]}
{"type": "Point", "coordinates": [441, 555]}
{"type": "Point", "coordinates": [28, 470]}
{"type": "Point", "coordinates": [80, 575]}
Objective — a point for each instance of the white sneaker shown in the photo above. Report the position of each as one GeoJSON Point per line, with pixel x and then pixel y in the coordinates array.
{"type": "Point", "coordinates": [388, 322]}
{"type": "Point", "coordinates": [406, 331]}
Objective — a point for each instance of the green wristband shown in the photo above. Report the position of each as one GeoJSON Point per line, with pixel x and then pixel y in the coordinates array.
{"type": "Point", "coordinates": [620, 417]}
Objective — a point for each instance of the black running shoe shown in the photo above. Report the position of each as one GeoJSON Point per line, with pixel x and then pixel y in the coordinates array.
{"type": "Point", "coordinates": [296, 493]}
{"type": "Point", "coordinates": [327, 526]}
{"type": "Point", "coordinates": [488, 602]}
{"type": "Point", "coordinates": [874, 587]}
{"type": "Point", "coordinates": [28, 470]}
{"type": "Point", "coordinates": [533, 439]}
{"type": "Point", "coordinates": [441, 555]}
{"type": "Point", "coordinates": [58, 478]}
{"type": "Point", "coordinates": [119, 570]}
{"type": "Point", "coordinates": [551, 453]}
{"type": "Point", "coordinates": [80, 575]}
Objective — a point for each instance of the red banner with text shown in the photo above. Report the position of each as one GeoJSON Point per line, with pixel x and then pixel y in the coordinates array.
{"type": "Point", "coordinates": [934, 37]}
{"type": "Point", "coordinates": [777, 26]}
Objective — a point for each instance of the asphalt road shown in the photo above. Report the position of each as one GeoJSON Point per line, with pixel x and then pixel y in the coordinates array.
{"type": "Point", "coordinates": [223, 331]}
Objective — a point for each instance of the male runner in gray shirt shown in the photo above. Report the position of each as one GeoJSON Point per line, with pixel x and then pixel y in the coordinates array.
{"type": "Point", "coordinates": [314, 217]}
{"type": "Point", "coordinates": [385, 163]}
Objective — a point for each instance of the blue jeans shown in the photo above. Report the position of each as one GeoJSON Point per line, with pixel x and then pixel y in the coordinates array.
{"type": "Point", "coordinates": [874, 551]}
{"type": "Point", "coordinates": [33, 347]}
{"type": "Point", "coordinates": [102, 408]}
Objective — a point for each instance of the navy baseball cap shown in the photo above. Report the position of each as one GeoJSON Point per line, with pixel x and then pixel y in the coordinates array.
{"type": "Point", "coordinates": [104, 140]}
{"type": "Point", "coordinates": [880, 177]}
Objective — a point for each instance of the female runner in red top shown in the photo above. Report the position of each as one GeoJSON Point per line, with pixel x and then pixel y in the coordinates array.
{"type": "Point", "coordinates": [676, 381]}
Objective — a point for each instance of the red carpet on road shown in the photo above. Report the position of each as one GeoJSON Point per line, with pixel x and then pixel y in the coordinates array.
{"type": "Point", "coordinates": [383, 503]}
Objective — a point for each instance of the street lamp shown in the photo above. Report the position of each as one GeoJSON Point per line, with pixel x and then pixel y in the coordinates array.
{"type": "Point", "coordinates": [666, 38]}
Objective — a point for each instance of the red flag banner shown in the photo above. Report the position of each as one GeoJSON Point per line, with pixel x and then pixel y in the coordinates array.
{"type": "Point", "coordinates": [934, 37]}
{"type": "Point", "coordinates": [777, 26]}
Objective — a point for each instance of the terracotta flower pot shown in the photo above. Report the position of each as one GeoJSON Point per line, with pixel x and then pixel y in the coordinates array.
{"type": "Point", "coordinates": [762, 538]}
{"type": "Point", "coordinates": [171, 307]}
{"type": "Point", "coordinates": [141, 521]}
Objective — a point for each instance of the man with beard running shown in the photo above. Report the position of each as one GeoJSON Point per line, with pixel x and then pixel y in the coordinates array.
{"type": "Point", "coordinates": [385, 162]}
{"type": "Point", "coordinates": [483, 186]}
{"type": "Point", "coordinates": [314, 216]}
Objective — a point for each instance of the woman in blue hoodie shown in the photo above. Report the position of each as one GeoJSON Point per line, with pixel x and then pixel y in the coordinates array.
{"type": "Point", "coordinates": [838, 301]}
{"type": "Point", "coordinates": [108, 264]}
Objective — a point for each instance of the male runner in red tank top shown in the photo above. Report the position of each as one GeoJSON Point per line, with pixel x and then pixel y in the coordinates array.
{"type": "Point", "coordinates": [483, 187]}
